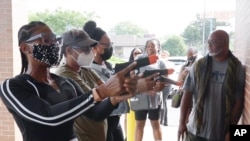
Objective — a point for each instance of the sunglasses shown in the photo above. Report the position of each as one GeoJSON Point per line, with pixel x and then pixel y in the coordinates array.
{"type": "Point", "coordinates": [46, 38]}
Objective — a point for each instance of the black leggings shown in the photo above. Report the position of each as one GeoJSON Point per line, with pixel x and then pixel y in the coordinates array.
{"type": "Point", "coordinates": [115, 132]}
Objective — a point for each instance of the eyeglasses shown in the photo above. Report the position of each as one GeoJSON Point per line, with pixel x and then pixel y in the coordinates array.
{"type": "Point", "coordinates": [106, 44]}
{"type": "Point", "coordinates": [46, 38]}
{"type": "Point", "coordinates": [212, 42]}
{"type": "Point", "coordinates": [85, 49]}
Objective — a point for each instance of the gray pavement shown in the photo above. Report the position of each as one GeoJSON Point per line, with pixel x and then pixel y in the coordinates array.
{"type": "Point", "coordinates": [169, 133]}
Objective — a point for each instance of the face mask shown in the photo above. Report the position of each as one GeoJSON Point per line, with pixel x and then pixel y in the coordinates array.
{"type": "Point", "coordinates": [107, 53]}
{"type": "Point", "coordinates": [84, 59]}
{"type": "Point", "coordinates": [191, 59]}
{"type": "Point", "coordinates": [48, 54]}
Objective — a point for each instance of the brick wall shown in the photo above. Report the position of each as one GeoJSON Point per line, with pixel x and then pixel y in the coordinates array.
{"type": "Point", "coordinates": [12, 15]}
{"type": "Point", "coordinates": [7, 129]}
{"type": "Point", "coordinates": [242, 48]}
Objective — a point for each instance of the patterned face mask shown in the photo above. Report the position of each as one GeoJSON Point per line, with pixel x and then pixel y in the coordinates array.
{"type": "Point", "coordinates": [48, 54]}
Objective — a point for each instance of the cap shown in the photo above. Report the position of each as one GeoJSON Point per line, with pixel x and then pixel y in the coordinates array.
{"type": "Point", "coordinates": [76, 37]}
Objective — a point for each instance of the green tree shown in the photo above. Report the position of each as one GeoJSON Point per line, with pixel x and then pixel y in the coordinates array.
{"type": "Point", "coordinates": [62, 20]}
{"type": "Point", "coordinates": [210, 25]}
{"type": "Point", "coordinates": [175, 45]}
{"type": "Point", "coordinates": [128, 28]}
{"type": "Point", "coordinates": [192, 35]}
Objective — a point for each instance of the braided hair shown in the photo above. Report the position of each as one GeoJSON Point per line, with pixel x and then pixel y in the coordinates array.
{"type": "Point", "coordinates": [24, 33]}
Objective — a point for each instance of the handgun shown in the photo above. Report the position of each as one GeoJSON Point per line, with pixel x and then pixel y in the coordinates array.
{"type": "Point", "coordinates": [140, 63]}
{"type": "Point", "coordinates": [160, 71]}
{"type": "Point", "coordinates": [169, 81]}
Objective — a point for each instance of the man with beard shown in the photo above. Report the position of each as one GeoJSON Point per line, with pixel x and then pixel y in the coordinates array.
{"type": "Point", "coordinates": [215, 87]}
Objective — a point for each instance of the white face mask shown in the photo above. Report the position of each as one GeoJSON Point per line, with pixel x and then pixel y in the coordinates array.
{"type": "Point", "coordinates": [84, 59]}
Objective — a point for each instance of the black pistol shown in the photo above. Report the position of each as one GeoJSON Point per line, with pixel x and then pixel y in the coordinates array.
{"type": "Point", "coordinates": [140, 63]}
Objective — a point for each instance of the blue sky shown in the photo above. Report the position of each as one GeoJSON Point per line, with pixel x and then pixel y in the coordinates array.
{"type": "Point", "coordinates": [160, 17]}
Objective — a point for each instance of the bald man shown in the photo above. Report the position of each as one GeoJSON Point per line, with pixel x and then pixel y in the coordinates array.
{"type": "Point", "coordinates": [215, 92]}
{"type": "Point", "coordinates": [192, 56]}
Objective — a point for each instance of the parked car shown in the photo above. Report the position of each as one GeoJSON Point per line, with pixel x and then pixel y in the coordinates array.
{"type": "Point", "coordinates": [178, 60]}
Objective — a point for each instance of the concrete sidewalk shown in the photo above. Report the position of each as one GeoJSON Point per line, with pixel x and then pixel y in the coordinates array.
{"type": "Point", "coordinates": [169, 133]}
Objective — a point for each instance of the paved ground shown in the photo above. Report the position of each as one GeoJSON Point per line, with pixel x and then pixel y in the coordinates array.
{"type": "Point", "coordinates": [169, 132]}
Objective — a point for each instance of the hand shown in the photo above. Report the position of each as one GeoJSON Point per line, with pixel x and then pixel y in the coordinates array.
{"type": "Point", "coordinates": [131, 83]}
{"type": "Point", "coordinates": [146, 83]}
{"type": "Point", "coordinates": [227, 136]}
{"type": "Point", "coordinates": [159, 86]}
{"type": "Point", "coordinates": [181, 132]}
{"type": "Point", "coordinates": [179, 83]}
{"type": "Point", "coordinates": [118, 83]}
{"type": "Point", "coordinates": [187, 69]}
{"type": "Point", "coordinates": [184, 73]}
{"type": "Point", "coordinates": [170, 71]}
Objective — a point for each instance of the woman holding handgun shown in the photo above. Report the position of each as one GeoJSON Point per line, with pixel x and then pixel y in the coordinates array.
{"type": "Point", "coordinates": [45, 105]}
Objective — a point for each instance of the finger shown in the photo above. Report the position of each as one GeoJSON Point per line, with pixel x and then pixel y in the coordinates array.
{"type": "Point", "coordinates": [154, 88]}
{"type": "Point", "coordinates": [178, 83]}
{"type": "Point", "coordinates": [170, 71]}
{"type": "Point", "coordinates": [131, 91]}
{"type": "Point", "coordinates": [140, 75]}
{"type": "Point", "coordinates": [179, 136]}
{"type": "Point", "coordinates": [183, 136]}
{"type": "Point", "coordinates": [131, 87]}
{"type": "Point", "coordinates": [125, 97]}
{"type": "Point", "coordinates": [132, 74]}
{"type": "Point", "coordinates": [131, 81]}
{"type": "Point", "coordinates": [128, 68]}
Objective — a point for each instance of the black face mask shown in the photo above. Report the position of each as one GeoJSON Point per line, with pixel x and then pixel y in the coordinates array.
{"type": "Point", "coordinates": [191, 59]}
{"type": "Point", "coordinates": [48, 54]}
{"type": "Point", "coordinates": [107, 53]}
